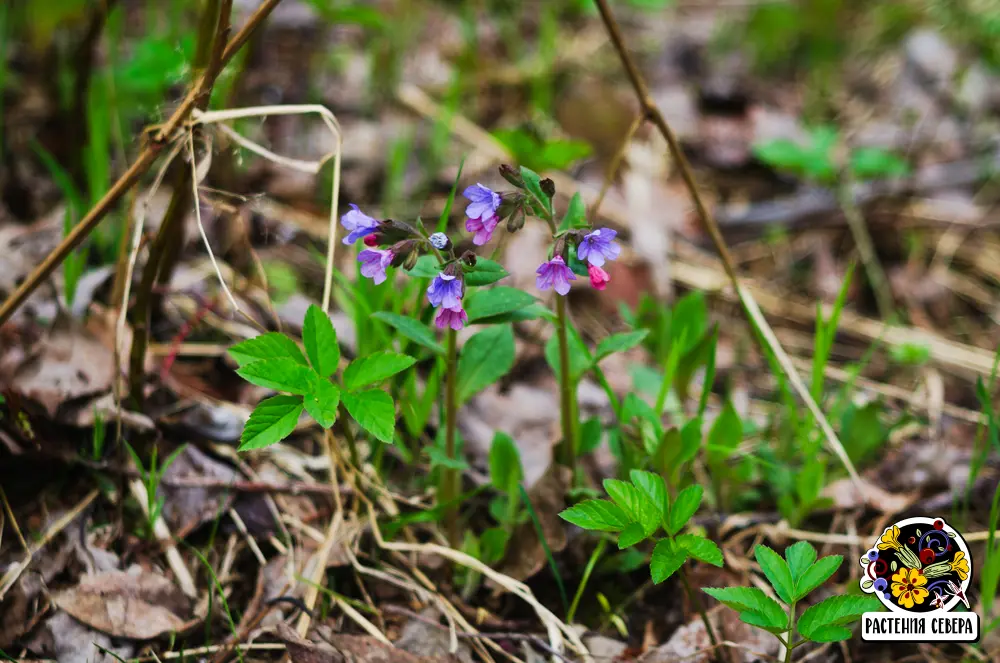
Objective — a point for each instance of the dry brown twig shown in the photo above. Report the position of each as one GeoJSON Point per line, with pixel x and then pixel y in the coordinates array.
{"type": "Point", "coordinates": [753, 312]}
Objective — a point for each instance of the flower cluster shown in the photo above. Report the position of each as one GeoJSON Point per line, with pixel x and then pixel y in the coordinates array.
{"type": "Point", "coordinates": [576, 249]}
{"type": "Point", "coordinates": [405, 244]}
{"type": "Point", "coordinates": [487, 208]}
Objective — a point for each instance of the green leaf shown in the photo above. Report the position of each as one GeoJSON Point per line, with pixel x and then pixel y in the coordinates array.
{"type": "Point", "coordinates": [751, 600]}
{"type": "Point", "coordinates": [271, 421]}
{"type": "Point", "coordinates": [427, 267]}
{"type": "Point", "coordinates": [590, 435]}
{"type": "Point", "coordinates": [599, 515]}
{"type": "Point", "coordinates": [580, 360]}
{"type": "Point", "coordinates": [619, 343]}
{"type": "Point", "coordinates": [816, 575]}
{"type": "Point", "coordinates": [576, 214]}
{"type": "Point", "coordinates": [439, 458]}
{"type": "Point", "coordinates": [634, 503]}
{"type": "Point", "coordinates": [777, 572]}
{"type": "Point", "coordinates": [374, 411]}
{"type": "Point", "coordinates": [496, 301]}
{"type": "Point", "coordinates": [685, 506]}
{"type": "Point", "coordinates": [800, 557]}
{"type": "Point", "coordinates": [320, 340]}
{"type": "Point", "coordinates": [725, 435]}
{"type": "Point", "coordinates": [834, 611]}
{"type": "Point", "coordinates": [322, 403]}
{"type": "Point", "coordinates": [764, 621]}
{"type": "Point", "coordinates": [281, 375]}
{"type": "Point", "coordinates": [485, 272]}
{"type": "Point", "coordinates": [631, 535]}
{"type": "Point", "coordinates": [532, 182]}
{"type": "Point", "coordinates": [412, 329]}
{"type": "Point", "coordinates": [871, 162]}
{"type": "Point", "coordinates": [486, 358]}
{"type": "Point", "coordinates": [374, 369]}
{"type": "Point", "coordinates": [701, 548]}
{"type": "Point", "coordinates": [666, 560]}
{"type": "Point", "coordinates": [654, 488]}
{"type": "Point", "coordinates": [505, 463]}
{"type": "Point", "coordinates": [830, 634]}
{"type": "Point", "coordinates": [271, 345]}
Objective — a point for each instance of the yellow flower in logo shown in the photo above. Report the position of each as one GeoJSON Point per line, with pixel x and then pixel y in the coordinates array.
{"type": "Point", "coordinates": [908, 586]}
{"type": "Point", "coordinates": [960, 565]}
{"type": "Point", "coordinates": [889, 539]}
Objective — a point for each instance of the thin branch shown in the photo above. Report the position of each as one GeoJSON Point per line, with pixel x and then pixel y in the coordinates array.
{"type": "Point", "coordinates": [753, 313]}
{"type": "Point", "coordinates": [130, 177]}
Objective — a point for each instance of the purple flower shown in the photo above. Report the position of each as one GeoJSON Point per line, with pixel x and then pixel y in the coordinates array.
{"type": "Point", "coordinates": [373, 263]}
{"type": "Point", "coordinates": [484, 202]}
{"type": "Point", "coordinates": [358, 223]}
{"type": "Point", "coordinates": [445, 291]}
{"type": "Point", "coordinates": [482, 227]}
{"type": "Point", "coordinates": [596, 247]}
{"type": "Point", "coordinates": [454, 318]}
{"type": "Point", "coordinates": [554, 274]}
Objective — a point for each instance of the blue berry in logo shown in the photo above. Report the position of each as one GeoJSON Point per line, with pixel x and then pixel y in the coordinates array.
{"type": "Point", "coordinates": [880, 585]}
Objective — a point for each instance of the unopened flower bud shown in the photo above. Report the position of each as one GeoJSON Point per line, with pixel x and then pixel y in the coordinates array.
{"type": "Point", "coordinates": [510, 174]}
{"type": "Point", "coordinates": [516, 220]}
{"type": "Point", "coordinates": [402, 251]}
{"type": "Point", "coordinates": [372, 240]}
{"type": "Point", "coordinates": [440, 241]}
{"type": "Point", "coordinates": [469, 258]}
{"type": "Point", "coordinates": [548, 187]}
{"type": "Point", "coordinates": [559, 248]}
{"type": "Point", "coordinates": [411, 261]}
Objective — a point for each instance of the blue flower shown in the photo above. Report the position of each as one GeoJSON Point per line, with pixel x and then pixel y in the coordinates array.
{"type": "Point", "coordinates": [484, 203]}
{"type": "Point", "coordinates": [596, 247]}
{"type": "Point", "coordinates": [358, 223]}
{"type": "Point", "coordinates": [445, 291]}
{"type": "Point", "coordinates": [374, 262]}
{"type": "Point", "coordinates": [554, 274]}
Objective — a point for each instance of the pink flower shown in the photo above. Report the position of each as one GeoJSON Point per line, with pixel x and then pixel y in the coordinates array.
{"type": "Point", "coordinates": [483, 227]}
{"type": "Point", "coordinates": [598, 277]}
{"type": "Point", "coordinates": [454, 318]}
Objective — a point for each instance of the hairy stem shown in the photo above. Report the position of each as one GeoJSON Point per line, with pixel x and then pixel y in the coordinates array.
{"type": "Point", "coordinates": [449, 476]}
{"type": "Point", "coordinates": [566, 405]}
{"type": "Point", "coordinates": [789, 646]}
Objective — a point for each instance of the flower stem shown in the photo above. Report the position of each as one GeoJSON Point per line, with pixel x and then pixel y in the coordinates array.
{"type": "Point", "coordinates": [565, 386]}
{"type": "Point", "coordinates": [448, 492]}
{"type": "Point", "coordinates": [700, 607]}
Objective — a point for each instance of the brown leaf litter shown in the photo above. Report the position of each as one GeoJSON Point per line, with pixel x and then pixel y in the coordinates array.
{"type": "Point", "coordinates": [137, 606]}
{"type": "Point", "coordinates": [349, 649]}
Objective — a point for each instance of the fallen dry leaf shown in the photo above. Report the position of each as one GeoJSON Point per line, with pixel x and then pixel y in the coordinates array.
{"type": "Point", "coordinates": [67, 364]}
{"type": "Point", "coordinates": [138, 606]}
{"type": "Point", "coordinates": [424, 639]}
{"type": "Point", "coordinates": [68, 641]}
{"type": "Point", "coordinates": [186, 507]}
{"type": "Point", "coordinates": [690, 642]}
{"type": "Point", "coordinates": [845, 496]}
{"type": "Point", "coordinates": [349, 649]}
